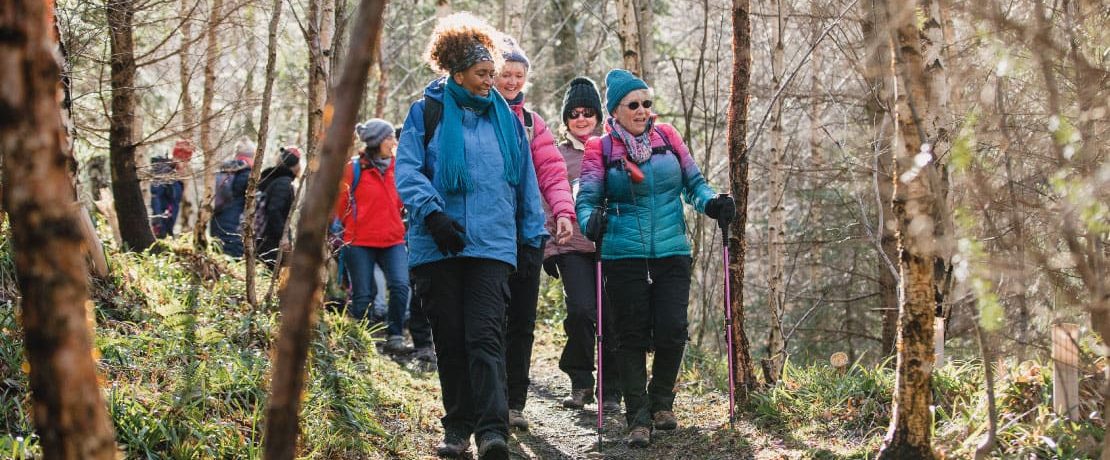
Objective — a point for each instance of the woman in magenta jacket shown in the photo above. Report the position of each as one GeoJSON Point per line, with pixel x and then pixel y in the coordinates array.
{"type": "Point", "coordinates": [373, 234]}
{"type": "Point", "coordinates": [524, 284]}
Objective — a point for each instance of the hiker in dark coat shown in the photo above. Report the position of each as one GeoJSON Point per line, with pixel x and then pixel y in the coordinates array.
{"type": "Point", "coordinates": [472, 196]}
{"type": "Point", "coordinates": [231, 199]}
{"type": "Point", "coordinates": [573, 261]}
{"type": "Point", "coordinates": [276, 201]}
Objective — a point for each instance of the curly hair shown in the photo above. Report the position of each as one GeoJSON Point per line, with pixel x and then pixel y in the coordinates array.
{"type": "Point", "coordinates": [454, 35]}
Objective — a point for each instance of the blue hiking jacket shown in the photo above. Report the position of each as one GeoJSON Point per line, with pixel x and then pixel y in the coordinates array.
{"type": "Point", "coordinates": [496, 215]}
{"type": "Point", "coordinates": [646, 220]}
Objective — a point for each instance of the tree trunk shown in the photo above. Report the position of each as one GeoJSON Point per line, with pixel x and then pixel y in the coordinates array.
{"type": "Point", "coordinates": [302, 295]}
{"type": "Point", "coordinates": [188, 112]}
{"type": "Point", "coordinates": [211, 57]}
{"type": "Point", "coordinates": [776, 235]}
{"type": "Point", "coordinates": [910, 433]}
{"type": "Point", "coordinates": [877, 74]}
{"type": "Point", "coordinates": [739, 98]}
{"type": "Point", "coordinates": [565, 55]}
{"type": "Point", "coordinates": [513, 15]}
{"type": "Point", "coordinates": [816, 156]}
{"type": "Point", "coordinates": [321, 27]}
{"type": "Point", "coordinates": [634, 19]}
{"type": "Point", "coordinates": [69, 412]}
{"type": "Point", "coordinates": [134, 222]}
{"type": "Point", "coordinates": [259, 154]}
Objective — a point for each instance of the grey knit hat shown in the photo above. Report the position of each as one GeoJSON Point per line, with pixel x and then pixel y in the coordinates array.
{"type": "Point", "coordinates": [373, 132]}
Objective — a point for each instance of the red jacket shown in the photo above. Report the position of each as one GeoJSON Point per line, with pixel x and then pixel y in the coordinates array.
{"type": "Point", "coordinates": [374, 219]}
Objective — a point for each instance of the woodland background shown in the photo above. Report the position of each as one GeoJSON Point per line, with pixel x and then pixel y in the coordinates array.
{"type": "Point", "coordinates": [1012, 101]}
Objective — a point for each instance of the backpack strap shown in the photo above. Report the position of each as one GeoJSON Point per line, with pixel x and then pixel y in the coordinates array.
{"type": "Point", "coordinates": [529, 124]}
{"type": "Point", "coordinates": [433, 113]}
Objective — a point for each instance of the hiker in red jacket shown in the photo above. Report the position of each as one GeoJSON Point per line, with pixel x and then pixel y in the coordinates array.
{"type": "Point", "coordinates": [369, 211]}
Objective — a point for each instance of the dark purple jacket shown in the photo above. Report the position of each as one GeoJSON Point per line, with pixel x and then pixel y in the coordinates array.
{"type": "Point", "coordinates": [572, 151]}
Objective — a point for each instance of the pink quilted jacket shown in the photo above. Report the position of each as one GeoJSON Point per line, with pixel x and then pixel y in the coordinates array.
{"type": "Point", "coordinates": [551, 170]}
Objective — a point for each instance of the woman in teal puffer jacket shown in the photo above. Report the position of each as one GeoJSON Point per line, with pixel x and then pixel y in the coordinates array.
{"type": "Point", "coordinates": [633, 182]}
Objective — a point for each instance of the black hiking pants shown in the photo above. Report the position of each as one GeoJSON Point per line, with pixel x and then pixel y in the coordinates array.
{"type": "Point", "coordinates": [419, 326]}
{"type": "Point", "coordinates": [649, 316]}
{"type": "Point", "coordinates": [578, 272]}
{"type": "Point", "coordinates": [465, 300]}
{"type": "Point", "coordinates": [524, 289]}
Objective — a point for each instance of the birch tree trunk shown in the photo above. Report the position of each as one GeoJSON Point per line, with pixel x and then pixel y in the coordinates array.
{"type": "Point", "coordinates": [634, 25]}
{"type": "Point", "coordinates": [260, 153]}
{"type": "Point", "coordinates": [321, 28]}
{"type": "Point", "coordinates": [739, 98]}
{"type": "Point", "coordinates": [134, 222]}
{"type": "Point", "coordinates": [211, 57]}
{"type": "Point", "coordinates": [776, 235]}
{"type": "Point", "coordinates": [69, 412]}
{"type": "Point", "coordinates": [302, 295]}
{"type": "Point", "coordinates": [910, 433]}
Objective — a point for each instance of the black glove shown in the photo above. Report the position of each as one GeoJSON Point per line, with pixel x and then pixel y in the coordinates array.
{"type": "Point", "coordinates": [446, 232]}
{"type": "Point", "coordinates": [551, 268]}
{"type": "Point", "coordinates": [595, 228]}
{"type": "Point", "coordinates": [721, 208]}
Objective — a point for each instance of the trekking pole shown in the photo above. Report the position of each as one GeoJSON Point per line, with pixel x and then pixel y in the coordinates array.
{"type": "Point", "coordinates": [723, 224]}
{"type": "Point", "coordinates": [598, 335]}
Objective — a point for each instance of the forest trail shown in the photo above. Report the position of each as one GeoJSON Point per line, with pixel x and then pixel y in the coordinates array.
{"type": "Point", "coordinates": [557, 433]}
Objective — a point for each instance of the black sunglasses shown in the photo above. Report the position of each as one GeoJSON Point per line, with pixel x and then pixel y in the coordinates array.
{"type": "Point", "coordinates": [584, 112]}
{"type": "Point", "coordinates": [636, 104]}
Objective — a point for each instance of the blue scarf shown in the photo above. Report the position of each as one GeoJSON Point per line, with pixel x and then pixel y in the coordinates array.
{"type": "Point", "coordinates": [453, 170]}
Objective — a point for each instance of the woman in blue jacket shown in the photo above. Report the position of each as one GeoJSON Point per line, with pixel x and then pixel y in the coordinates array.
{"type": "Point", "coordinates": [633, 181]}
{"type": "Point", "coordinates": [471, 195]}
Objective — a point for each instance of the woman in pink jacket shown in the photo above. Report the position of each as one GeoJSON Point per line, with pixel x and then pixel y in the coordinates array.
{"type": "Point", "coordinates": [524, 284]}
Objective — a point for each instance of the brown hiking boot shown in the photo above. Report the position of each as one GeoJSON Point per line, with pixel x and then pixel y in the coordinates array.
{"type": "Point", "coordinates": [665, 420]}
{"type": "Point", "coordinates": [579, 397]}
{"type": "Point", "coordinates": [639, 436]}
{"type": "Point", "coordinates": [453, 446]}
{"type": "Point", "coordinates": [517, 420]}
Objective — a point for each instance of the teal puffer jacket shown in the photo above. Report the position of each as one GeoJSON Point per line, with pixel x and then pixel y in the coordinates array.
{"type": "Point", "coordinates": [646, 220]}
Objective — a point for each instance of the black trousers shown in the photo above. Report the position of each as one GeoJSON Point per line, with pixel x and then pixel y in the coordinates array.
{"type": "Point", "coordinates": [524, 289]}
{"type": "Point", "coordinates": [419, 326]}
{"type": "Point", "coordinates": [649, 316]}
{"type": "Point", "coordinates": [578, 272]}
{"type": "Point", "coordinates": [465, 299]}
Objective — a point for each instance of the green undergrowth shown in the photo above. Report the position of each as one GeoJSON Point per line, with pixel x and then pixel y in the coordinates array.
{"type": "Point", "coordinates": [184, 362]}
{"type": "Point", "coordinates": [845, 414]}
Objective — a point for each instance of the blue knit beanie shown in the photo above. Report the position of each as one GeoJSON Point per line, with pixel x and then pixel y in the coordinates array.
{"type": "Point", "coordinates": [618, 83]}
{"type": "Point", "coordinates": [512, 52]}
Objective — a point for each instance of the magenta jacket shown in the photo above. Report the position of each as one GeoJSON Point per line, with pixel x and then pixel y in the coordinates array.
{"type": "Point", "coordinates": [571, 150]}
{"type": "Point", "coordinates": [551, 170]}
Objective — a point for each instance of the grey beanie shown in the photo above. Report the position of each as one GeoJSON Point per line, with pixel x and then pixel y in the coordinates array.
{"type": "Point", "coordinates": [373, 132]}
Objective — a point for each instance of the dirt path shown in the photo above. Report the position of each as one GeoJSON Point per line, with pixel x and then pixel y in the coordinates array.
{"type": "Point", "coordinates": [558, 433]}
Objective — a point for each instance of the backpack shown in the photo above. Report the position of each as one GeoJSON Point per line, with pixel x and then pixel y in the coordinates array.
{"type": "Point", "coordinates": [258, 220]}
{"type": "Point", "coordinates": [607, 149]}
{"type": "Point", "coordinates": [225, 181]}
{"type": "Point", "coordinates": [433, 113]}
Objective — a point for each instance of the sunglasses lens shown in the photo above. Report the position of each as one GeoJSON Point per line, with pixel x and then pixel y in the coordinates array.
{"type": "Point", "coordinates": [587, 113]}
{"type": "Point", "coordinates": [633, 105]}
{"type": "Point", "coordinates": [647, 104]}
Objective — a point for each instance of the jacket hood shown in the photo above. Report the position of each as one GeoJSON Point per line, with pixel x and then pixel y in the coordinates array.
{"type": "Point", "coordinates": [269, 175]}
{"type": "Point", "coordinates": [435, 89]}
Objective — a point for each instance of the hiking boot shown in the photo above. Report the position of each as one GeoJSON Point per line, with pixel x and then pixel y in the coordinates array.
{"type": "Point", "coordinates": [395, 344]}
{"type": "Point", "coordinates": [639, 436]}
{"type": "Point", "coordinates": [611, 405]}
{"type": "Point", "coordinates": [579, 397]}
{"type": "Point", "coordinates": [425, 359]}
{"type": "Point", "coordinates": [665, 420]}
{"type": "Point", "coordinates": [493, 447]}
{"type": "Point", "coordinates": [453, 446]}
{"type": "Point", "coordinates": [517, 420]}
